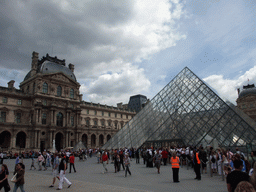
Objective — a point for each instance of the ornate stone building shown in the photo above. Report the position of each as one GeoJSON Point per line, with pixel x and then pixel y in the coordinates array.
{"type": "Point", "coordinates": [48, 106]}
{"type": "Point", "coordinates": [246, 100]}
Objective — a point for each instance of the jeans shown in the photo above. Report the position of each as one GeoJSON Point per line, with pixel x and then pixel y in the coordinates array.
{"type": "Point", "coordinates": [127, 169]}
{"type": "Point", "coordinates": [18, 186]}
{"type": "Point", "coordinates": [72, 164]}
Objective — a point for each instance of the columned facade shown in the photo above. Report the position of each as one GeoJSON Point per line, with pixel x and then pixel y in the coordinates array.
{"type": "Point", "coordinates": [48, 106]}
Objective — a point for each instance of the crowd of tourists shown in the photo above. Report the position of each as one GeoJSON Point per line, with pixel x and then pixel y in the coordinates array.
{"type": "Point", "coordinates": [237, 170]}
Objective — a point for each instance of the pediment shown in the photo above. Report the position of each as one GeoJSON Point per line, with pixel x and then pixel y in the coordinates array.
{"type": "Point", "coordinates": [62, 77]}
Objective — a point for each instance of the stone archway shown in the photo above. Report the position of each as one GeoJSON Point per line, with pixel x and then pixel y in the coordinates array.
{"type": "Point", "coordinates": [5, 139]}
{"type": "Point", "coordinates": [21, 140]}
{"type": "Point", "coordinates": [59, 141]}
{"type": "Point", "coordinates": [93, 140]}
{"type": "Point", "coordinates": [101, 140]}
{"type": "Point", "coordinates": [108, 137]}
{"type": "Point", "coordinates": [84, 140]}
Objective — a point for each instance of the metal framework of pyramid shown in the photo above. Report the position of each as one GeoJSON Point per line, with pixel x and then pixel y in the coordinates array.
{"type": "Point", "coordinates": [186, 109]}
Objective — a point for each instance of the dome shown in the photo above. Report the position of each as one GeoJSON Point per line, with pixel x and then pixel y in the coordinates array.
{"type": "Point", "coordinates": [247, 92]}
{"type": "Point", "coordinates": [48, 67]}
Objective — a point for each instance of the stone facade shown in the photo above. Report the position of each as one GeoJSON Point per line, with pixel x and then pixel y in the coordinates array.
{"type": "Point", "coordinates": [48, 106]}
{"type": "Point", "coordinates": [246, 100]}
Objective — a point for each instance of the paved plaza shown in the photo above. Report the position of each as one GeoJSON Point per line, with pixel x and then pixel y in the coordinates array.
{"type": "Point", "coordinates": [89, 177]}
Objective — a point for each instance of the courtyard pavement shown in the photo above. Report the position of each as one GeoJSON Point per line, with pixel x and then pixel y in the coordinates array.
{"type": "Point", "coordinates": [89, 177]}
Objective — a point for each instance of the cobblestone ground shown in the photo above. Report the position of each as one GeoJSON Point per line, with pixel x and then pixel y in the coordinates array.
{"type": "Point", "coordinates": [89, 177]}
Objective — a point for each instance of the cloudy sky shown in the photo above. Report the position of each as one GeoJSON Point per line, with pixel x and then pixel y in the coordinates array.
{"type": "Point", "coordinates": [122, 48]}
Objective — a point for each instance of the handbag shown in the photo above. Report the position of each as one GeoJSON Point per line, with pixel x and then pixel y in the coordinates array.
{"type": "Point", "coordinates": [14, 178]}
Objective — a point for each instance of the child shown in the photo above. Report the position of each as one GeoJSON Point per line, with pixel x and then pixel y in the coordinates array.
{"type": "Point", "coordinates": [33, 164]}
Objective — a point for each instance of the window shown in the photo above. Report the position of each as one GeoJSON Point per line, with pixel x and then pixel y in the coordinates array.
{"type": "Point", "coordinates": [102, 113]}
{"type": "Point", "coordinates": [115, 115]}
{"type": "Point", "coordinates": [28, 89]}
{"type": "Point", "coordinates": [109, 123]}
{"type": "Point", "coordinates": [59, 91]}
{"type": "Point", "coordinates": [88, 111]}
{"type": "Point", "coordinates": [44, 102]}
{"type": "Point", "coordinates": [4, 99]}
{"type": "Point", "coordinates": [102, 123]}
{"type": "Point", "coordinates": [87, 122]}
{"type": "Point", "coordinates": [44, 118]}
{"type": "Point", "coordinates": [109, 114]}
{"type": "Point", "coordinates": [72, 93]}
{"type": "Point", "coordinates": [45, 88]}
{"type": "Point", "coordinates": [3, 117]}
{"type": "Point", "coordinates": [115, 125]}
{"type": "Point", "coordinates": [126, 116]}
{"type": "Point", "coordinates": [19, 102]}
{"type": "Point", "coordinates": [18, 117]}
{"type": "Point", "coordinates": [95, 123]}
{"type": "Point", "coordinates": [72, 106]}
{"type": "Point", "coordinates": [59, 119]}
{"type": "Point", "coordinates": [72, 120]}
{"type": "Point", "coordinates": [95, 112]}
{"type": "Point", "coordinates": [34, 87]}
{"type": "Point", "coordinates": [121, 115]}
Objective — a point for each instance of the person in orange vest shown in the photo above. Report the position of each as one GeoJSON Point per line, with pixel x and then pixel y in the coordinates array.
{"type": "Point", "coordinates": [175, 161]}
{"type": "Point", "coordinates": [197, 163]}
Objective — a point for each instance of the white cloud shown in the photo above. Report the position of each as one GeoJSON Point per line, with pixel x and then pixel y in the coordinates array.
{"type": "Point", "coordinates": [117, 87]}
{"type": "Point", "coordinates": [102, 39]}
{"type": "Point", "coordinates": [227, 88]}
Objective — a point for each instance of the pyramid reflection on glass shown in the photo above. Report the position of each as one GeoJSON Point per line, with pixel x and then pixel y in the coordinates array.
{"type": "Point", "coordinates": [186, 110]}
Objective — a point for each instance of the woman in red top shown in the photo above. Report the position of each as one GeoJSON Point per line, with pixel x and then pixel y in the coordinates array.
{"type": "Point", "coordinates": [105, 161]}
{"type": "Point", "coordinates": [72, 162]}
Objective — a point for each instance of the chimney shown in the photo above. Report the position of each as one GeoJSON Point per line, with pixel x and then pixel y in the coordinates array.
{"type": "Point", "coordinates": [71, 67]}
{"type": "Point", "coordinates": [238, 91]}
{"type": "Point", "coordinates": [34, 63]}
{"type": "Point", "coordinates": [11, 84]}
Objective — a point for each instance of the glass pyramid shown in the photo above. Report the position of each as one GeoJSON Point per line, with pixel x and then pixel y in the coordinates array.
{"type": "Point", "coordinates": [188, 111]}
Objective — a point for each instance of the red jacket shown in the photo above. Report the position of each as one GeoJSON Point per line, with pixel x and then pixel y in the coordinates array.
{"type": "Point", "coordinates": [104, 157]}
{"type": "Point", "coordinates": [164, 154]}
{"type": "Point", "coordinates": [72, 159]}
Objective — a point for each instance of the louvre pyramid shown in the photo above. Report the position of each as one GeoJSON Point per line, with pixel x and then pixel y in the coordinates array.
{"type": "Point", "coordinates": [186, 109]}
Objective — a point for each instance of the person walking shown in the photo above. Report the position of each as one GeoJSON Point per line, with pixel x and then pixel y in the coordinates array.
{"type": "Point", "coordinates": [62, 171]}
{"type": "Point", "coordinates": [104, 160]}
{"type": "Point", "coordinates": [164, 156]}
{"type": "Point", "coordinates": [55, 166]}
{"type": "Point", "coordinates": [20, 181]}
{"type": "Point", "coordinates": [72, 162]}
{"type": "Point", "coordinates": [175, 161]}
{"type": "Point", "coordinates": [127, 164]}
{"type": "Point", "coordinates": [157, 161]}
{"type": "Point", "coordinates": [121, 155]}
{"type": "Point", "coordinates": [40, 161]}
{"type": "Point", "coordinates": [4, 178]}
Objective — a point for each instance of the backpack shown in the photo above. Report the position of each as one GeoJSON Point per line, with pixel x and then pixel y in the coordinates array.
{"type": "Point", "coordinates": [213, 159]}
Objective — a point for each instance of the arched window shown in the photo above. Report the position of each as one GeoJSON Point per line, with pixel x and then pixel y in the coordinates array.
{"type": "Point", "coordinates": [59, 91]}
{"type": "Point", "coordinates": [44, 118]}
{"type": "Point", "coordinates": [59, 119]}
{"type": "Point", "coordinates": [45, 88]}
{"type": "Point", "coordinates": [72, 93]}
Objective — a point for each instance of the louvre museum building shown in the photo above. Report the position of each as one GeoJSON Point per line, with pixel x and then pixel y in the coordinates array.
{"type": "Point", "coordinates": [48, 106]}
